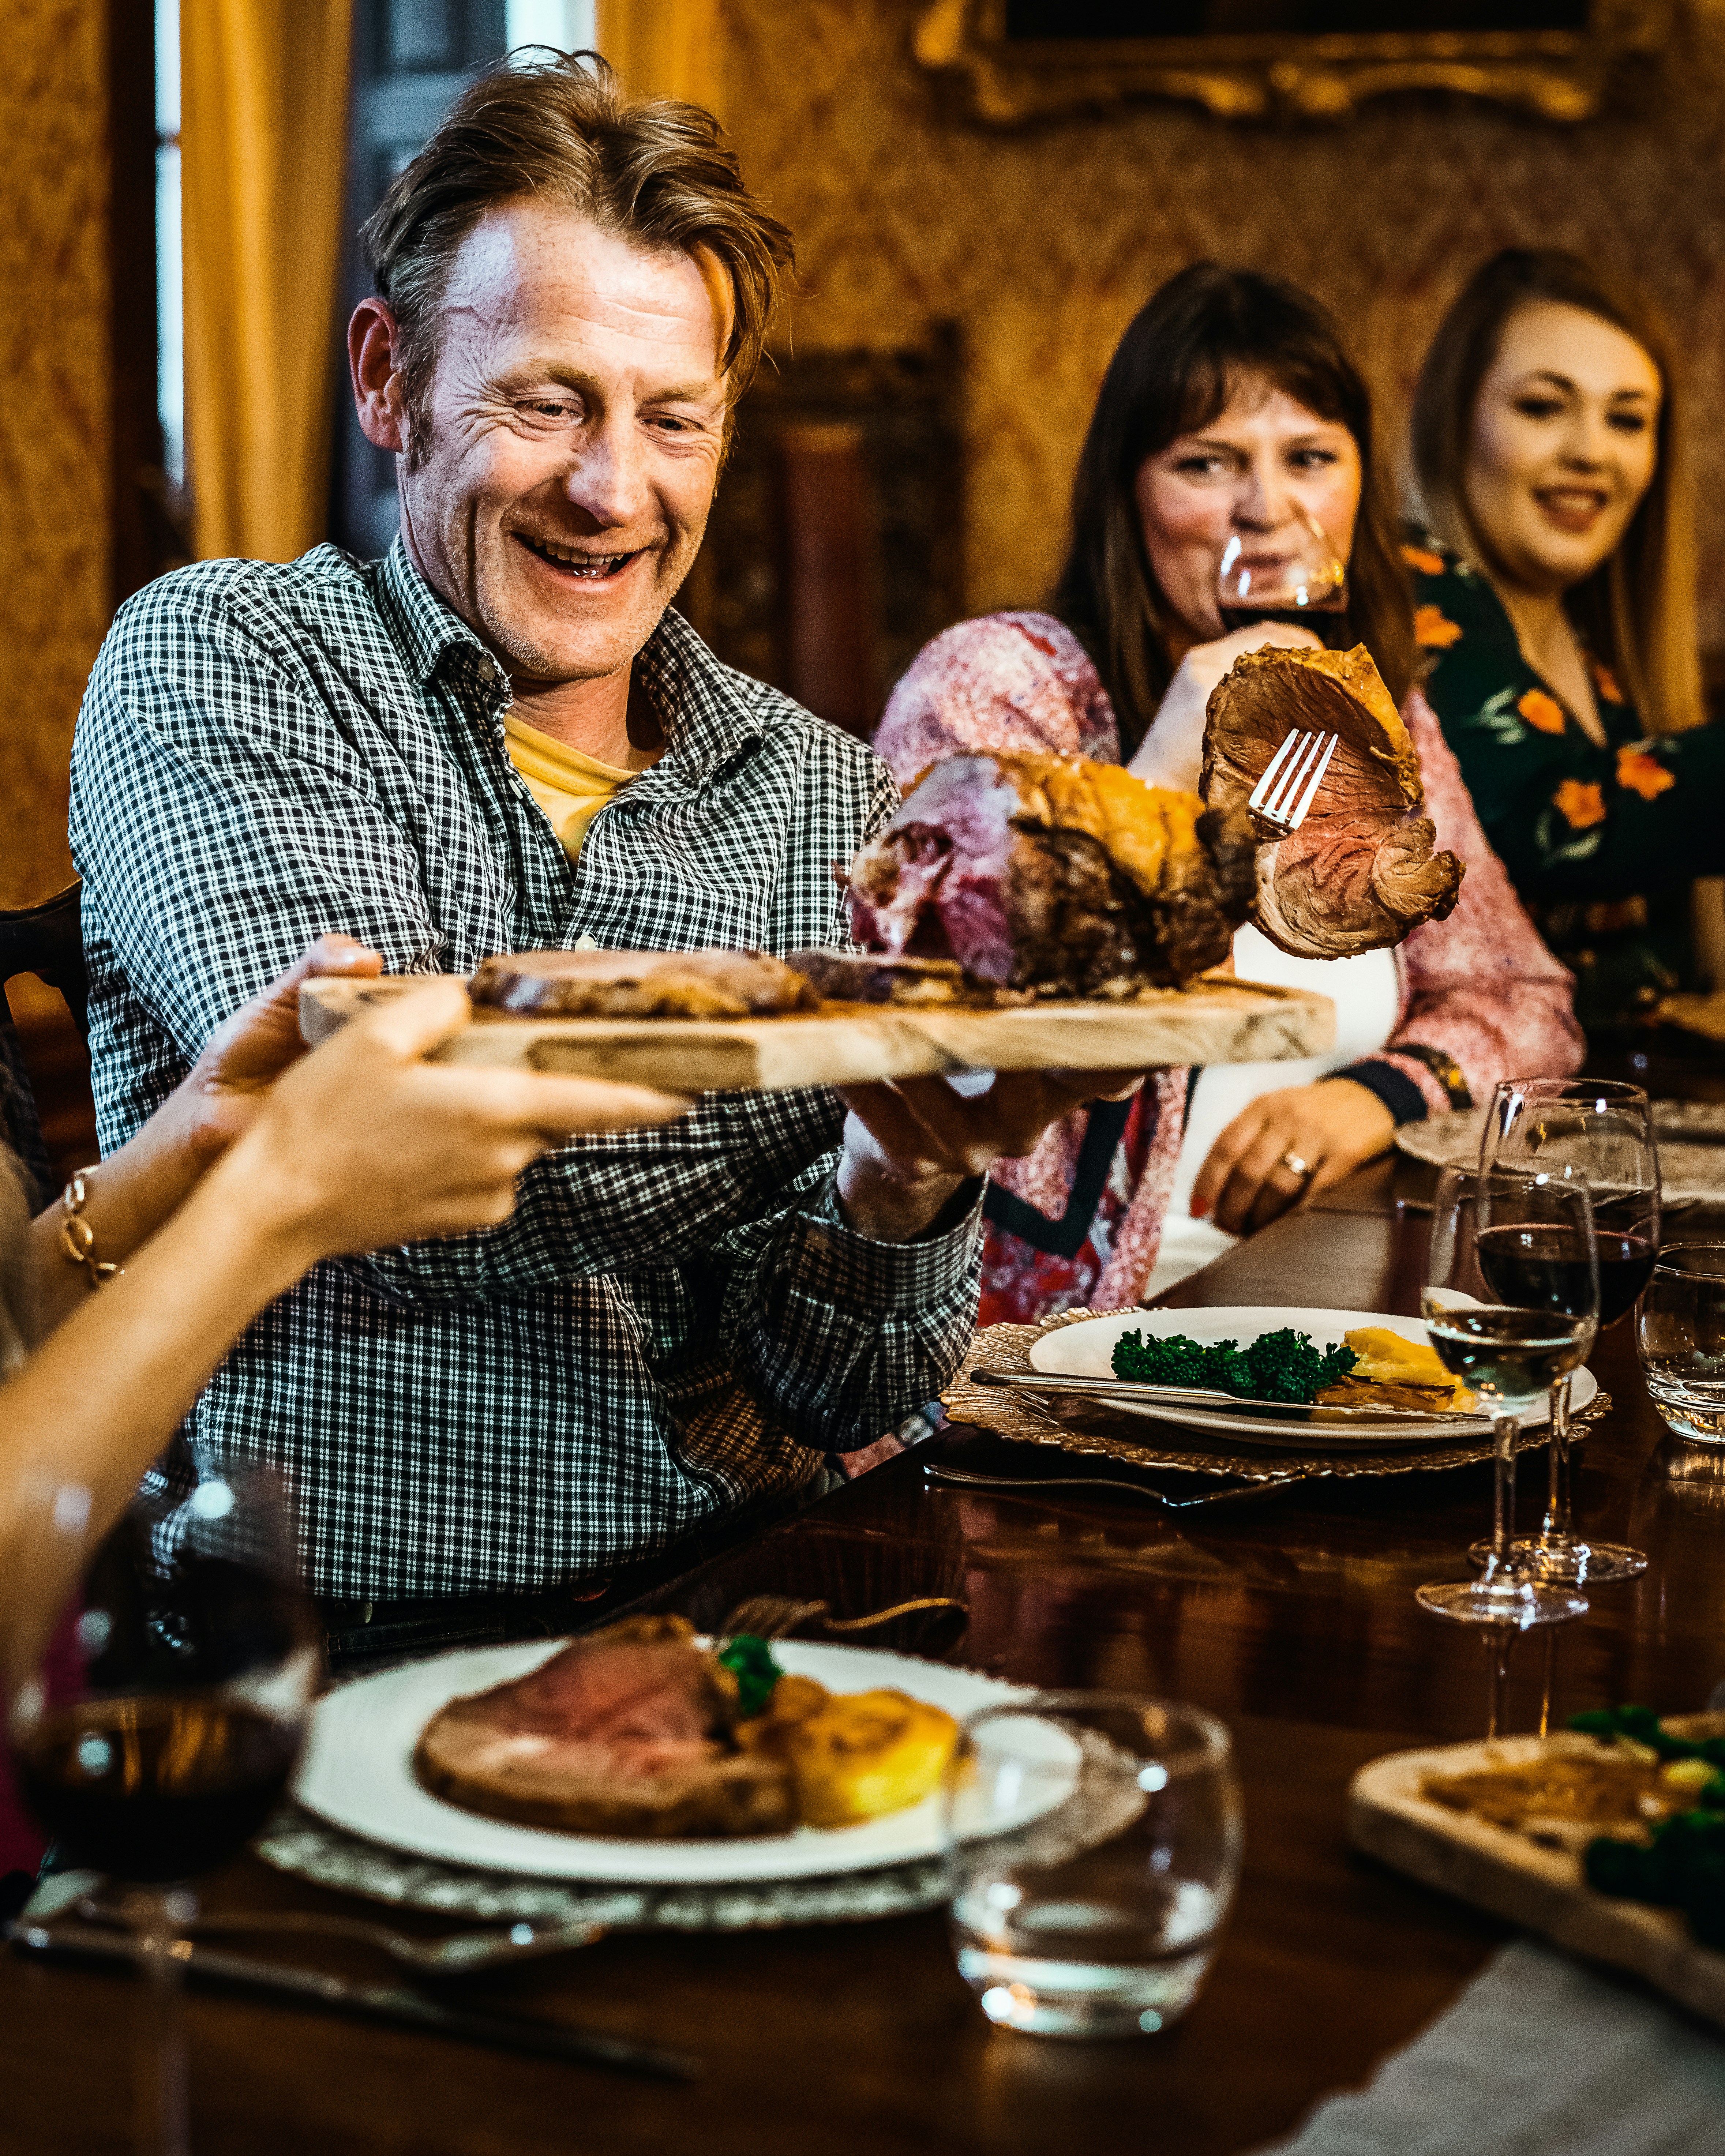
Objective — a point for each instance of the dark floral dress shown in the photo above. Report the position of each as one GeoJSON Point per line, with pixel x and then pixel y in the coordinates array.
{"type": "Point", "coordinates": [1601, 844]}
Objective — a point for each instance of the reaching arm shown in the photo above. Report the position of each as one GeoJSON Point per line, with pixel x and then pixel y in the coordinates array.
{"type": "Point", "coordinates": [362, 1143]}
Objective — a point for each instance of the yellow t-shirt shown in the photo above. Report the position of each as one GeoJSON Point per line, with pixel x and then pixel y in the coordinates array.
{"type": "Point", "coordinates": [570, 787]}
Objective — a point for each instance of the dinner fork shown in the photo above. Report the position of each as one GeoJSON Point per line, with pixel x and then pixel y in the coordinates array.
{"type": "Point", "coordinates": [775, 1616]}
{"type": "Point", "coordinates": [1282, 798]}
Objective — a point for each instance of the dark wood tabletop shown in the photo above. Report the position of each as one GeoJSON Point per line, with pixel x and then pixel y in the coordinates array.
{"type": "Point", "coordinates": [1293, 1617]}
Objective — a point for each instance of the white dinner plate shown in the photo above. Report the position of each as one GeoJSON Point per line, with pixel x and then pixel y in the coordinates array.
{"type": "Point", "coordinates": [1086, 1350]}
{"type": "Point", "coordinates": [357, 1772]}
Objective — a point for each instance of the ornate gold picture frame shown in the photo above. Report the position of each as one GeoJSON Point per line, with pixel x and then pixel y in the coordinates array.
{"type": "Point", "coordinates": [1560, 74]}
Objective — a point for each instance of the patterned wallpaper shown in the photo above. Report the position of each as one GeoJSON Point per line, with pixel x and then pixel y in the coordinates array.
{"type": "Point", "coordinates": [1042, 244]}
{"type": "Point", "coordinates": [55, 457]}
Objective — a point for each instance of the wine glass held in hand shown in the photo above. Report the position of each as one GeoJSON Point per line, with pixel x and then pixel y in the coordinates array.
{"type": "Point", "coordinates": [196, 1656]}
{"type": "Point", "coordinates": [1511, 1304]}
{"type": "Point", "coordinates": [1606, 1130]}
{"type": "Point", "coordinates": [1293, 575]}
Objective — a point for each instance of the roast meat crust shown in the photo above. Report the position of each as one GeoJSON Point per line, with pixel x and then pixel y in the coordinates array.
{"type": "Point", "coordinates": [1359, 874]}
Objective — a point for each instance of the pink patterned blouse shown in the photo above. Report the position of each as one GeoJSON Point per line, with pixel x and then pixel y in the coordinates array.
{"type": "Point", "coordinates": [1481, 995]}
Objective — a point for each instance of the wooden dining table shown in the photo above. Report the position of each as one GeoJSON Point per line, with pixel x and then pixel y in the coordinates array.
{"type": "Point", "coordinates": [1293, 1617]}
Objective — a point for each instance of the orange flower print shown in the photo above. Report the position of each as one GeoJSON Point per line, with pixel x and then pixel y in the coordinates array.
{"type": "Point", "coordinates": [1581, 805]}
{"type": "Point", "coordinates": [1422, 559]}
{"type": "Point", "coordinates": [1606, 681]}
{"type": "Point", "coordinates": [1642, 774]}
{"type": "Point", "coordinates": [1434, 630]}
{"type": "Point", "coordinates": [1546, 713]}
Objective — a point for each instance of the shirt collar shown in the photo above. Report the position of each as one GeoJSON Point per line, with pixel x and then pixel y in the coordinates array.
{"type": "Point", "coordinates": [424, 627]}
{"type": "Point", "coordinates": [707, 717]}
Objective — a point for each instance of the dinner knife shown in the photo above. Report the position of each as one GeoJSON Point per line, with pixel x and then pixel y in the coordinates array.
{"type": "Point", "coordinates": [393, 2004]}
{"type": "Point", "coordinates": [1126, 1389]}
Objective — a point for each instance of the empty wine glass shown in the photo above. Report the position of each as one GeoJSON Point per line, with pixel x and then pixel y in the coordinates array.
{"type": "Point", "coordinates": [158, 1746]}
{"type": "Point", "coordinates": [1606, 1130]}
{"type": "Point", "coordinates": [1293, 574]}
{"type": "Point", "coordinates": [1510, 1302]}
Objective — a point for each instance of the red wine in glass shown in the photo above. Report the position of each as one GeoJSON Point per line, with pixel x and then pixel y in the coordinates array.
{"type": "Point", "coordinates": [157, 1787]}
{"type": "Point", "coordinates": [1531, 1267]}
{"type": "Point", "coordinates": [1321, 620]}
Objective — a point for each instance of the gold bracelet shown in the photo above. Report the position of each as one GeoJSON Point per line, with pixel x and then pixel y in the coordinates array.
{"type": "Point", "coordinates": [77, 1236]}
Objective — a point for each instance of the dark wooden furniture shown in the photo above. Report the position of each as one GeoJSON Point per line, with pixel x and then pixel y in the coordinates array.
{"type": "Point", "coordinates": [1294, 1619]}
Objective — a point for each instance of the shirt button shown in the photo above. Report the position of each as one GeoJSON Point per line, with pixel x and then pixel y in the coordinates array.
{"type": "Point", "coordinates": [486, 668]}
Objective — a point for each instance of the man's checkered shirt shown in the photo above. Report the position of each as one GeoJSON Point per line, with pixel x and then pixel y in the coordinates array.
{"type": "Point", "coordinates": [673, 1323]}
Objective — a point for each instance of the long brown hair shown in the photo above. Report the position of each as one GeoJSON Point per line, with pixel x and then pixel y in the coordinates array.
{"type": "Point", "coordinates": [1637, 609]}
{"type": "Point", "coordinates": [1183, 356]}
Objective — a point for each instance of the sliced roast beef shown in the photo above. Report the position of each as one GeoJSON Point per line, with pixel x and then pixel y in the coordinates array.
{"type": "Point", "coordinates": [640, 984]}
{"type": "Point", "coordinates": [627, 1732]}
{"type": "Point", "coordinates": [1360, 873]}
{"type": "Point", "coordinates": [1053, 874]}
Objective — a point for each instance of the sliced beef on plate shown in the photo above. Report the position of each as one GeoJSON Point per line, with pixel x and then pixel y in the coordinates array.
{"type": "Point", "coordinates": [625, 1733]}
{"type": "Point", "coordinates": [1359, 874]}
{"type": "Point", "coordinates": [1055, 873]}
{"type": "Point", "coordinates": [640, 984]}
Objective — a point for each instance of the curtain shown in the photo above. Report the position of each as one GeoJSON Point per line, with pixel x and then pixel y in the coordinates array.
{"type": "Point", "coordinates": [664, 48]}
{"type": "Point", "coordinates": [264, 136]}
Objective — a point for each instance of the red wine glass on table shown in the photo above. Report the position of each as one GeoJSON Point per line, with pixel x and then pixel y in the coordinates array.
{"type": "Point", "coordinates": [1511, 1304]}
{"type": "Point", "coordinates": [156, 1722]}
{"type": "Point", "coordinates": [1605, 1130]}
{"type": "Point", "coordinates": [1293, 575]}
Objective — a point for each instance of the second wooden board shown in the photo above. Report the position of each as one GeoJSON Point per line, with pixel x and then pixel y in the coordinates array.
{"type": "Point", "coordinates": [1539, 1883]}
{"type": "Point", "coordinates": [1219, 1019]}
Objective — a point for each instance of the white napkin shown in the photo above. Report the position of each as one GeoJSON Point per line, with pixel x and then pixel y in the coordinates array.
{"type": "Point", "coordinates": [1540, 2055]}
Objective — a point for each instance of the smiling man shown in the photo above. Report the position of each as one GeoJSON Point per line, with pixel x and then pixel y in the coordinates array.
{"type": "Point", "coordinates": [498, 738]}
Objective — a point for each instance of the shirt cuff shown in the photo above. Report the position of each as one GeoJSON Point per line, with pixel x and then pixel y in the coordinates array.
{"type": "Point", "coordinates": [1394, 1088]}
{"type": "Point", "coordinates": [858, 1273]}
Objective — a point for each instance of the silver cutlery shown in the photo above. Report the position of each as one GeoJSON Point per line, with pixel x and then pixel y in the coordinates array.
{"type": "Point", "coordinates": [1282, 799]}
{"type": "Point", "coordinates": [392, 2004]}
{"type": "Point", "coordinates": [463, 1954]}
{"type": "Point", "coordinates": [1128, 1390]}
{"type": "Point", "coordinates": [775, 1616]}
{"type": "Point", "coordinates": [968, 1478]}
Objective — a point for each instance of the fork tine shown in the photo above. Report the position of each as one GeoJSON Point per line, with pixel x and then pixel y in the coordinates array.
{"type": "Point", "coordinates": [1278, 797]}
{"type": "Point", "coordinates": [1309, 795]}
{"type": "Point", "coordinates": [1272, 771]}
{"type": "Point", "coordinates": [1294, 778]}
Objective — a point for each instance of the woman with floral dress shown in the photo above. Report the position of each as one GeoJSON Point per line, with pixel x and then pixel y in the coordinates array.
{"type": "Point", "coordinates": [1229, 407]}
{"type": "Point", "coordinates": [1557, 604]}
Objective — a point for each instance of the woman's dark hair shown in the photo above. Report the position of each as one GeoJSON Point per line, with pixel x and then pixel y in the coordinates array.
{"type": "Point", "coordinates": [1205, 334]}
{"type": "Point", "coordinates": [1637, 609]}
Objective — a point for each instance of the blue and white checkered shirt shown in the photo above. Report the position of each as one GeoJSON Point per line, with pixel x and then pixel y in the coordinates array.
{"type": "Point", "coordinates": [673, 1323]}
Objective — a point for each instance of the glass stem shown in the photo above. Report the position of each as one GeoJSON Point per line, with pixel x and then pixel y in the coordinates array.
{"type": "Point", "coordinates": [156, 1915]}
{"type": "Point", "coordinates": [1500, 1564]}
{"type": "Point", "coordinates": [1558, 1524]}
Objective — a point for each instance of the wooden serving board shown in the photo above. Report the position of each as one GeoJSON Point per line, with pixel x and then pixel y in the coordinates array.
{"type": "Point", "coordinates": [1507, 1870]}
{"type": "Point", "coordinates": [1218, 1020]}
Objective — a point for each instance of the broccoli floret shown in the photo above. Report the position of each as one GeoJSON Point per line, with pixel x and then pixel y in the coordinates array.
{"type": "Point", "coordinates": [750, 1662]}
{"type": "Point", "coordinates": [1277, 1366]}
{"type": "Point", "coordinates": [1642, 1726]}
{"type": "Point", "coordinates": [1623, 1869]}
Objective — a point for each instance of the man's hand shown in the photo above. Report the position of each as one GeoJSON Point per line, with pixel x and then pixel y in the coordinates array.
{"type": "Point", "coordinates": [911, 1146]}
{"type": "Point", "coordinates": [1333, 1127]}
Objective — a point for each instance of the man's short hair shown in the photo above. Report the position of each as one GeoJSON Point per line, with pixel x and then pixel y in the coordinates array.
{"type": "Point", "coordinates": [554, 126]}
